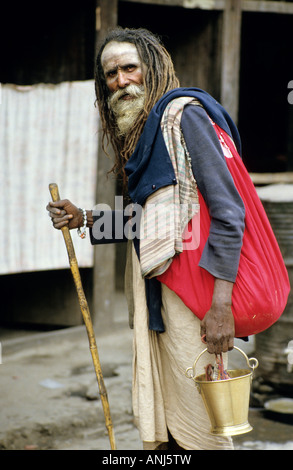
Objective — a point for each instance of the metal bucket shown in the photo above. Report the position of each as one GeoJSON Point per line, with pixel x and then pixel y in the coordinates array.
{"type": "Point", "coordinates": [226, 401]}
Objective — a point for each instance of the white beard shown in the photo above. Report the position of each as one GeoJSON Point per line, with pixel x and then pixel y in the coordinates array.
{"type": "Point", "coordinates": [126, 112]}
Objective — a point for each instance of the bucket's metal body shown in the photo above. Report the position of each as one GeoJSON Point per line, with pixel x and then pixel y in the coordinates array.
{"type": "Point", "coordinates": [226, 401]}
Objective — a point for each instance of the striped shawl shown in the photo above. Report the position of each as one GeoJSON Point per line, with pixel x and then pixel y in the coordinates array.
{"type": "Point", "coordinates": [168, 210]}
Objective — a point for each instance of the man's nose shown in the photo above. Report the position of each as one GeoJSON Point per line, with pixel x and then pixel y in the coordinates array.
{"type": "Point", "coordinates": [122, 79]}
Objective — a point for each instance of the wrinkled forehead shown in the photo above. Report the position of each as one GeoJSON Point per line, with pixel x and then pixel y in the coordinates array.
{"type": "Point", "coordinates": [118, 53]}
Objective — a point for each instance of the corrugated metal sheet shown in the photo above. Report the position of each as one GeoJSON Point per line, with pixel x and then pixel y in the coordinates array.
{"type": "Point", "coordinates": [48, 133]}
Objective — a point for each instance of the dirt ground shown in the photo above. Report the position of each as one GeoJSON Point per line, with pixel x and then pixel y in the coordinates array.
{"type": "Point", "coordinates": [49, 395]}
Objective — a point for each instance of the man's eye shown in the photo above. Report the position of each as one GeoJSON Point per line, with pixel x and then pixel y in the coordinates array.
{"type": "Point", "coordinates": [111, 74]}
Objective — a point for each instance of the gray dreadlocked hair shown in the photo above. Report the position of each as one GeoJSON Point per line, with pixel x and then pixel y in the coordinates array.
{"type": "Point", "coordinates": [159, 78]}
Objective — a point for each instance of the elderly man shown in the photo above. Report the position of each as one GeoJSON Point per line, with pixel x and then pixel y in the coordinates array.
{"type": "Point", "coordinates": [168, 152]}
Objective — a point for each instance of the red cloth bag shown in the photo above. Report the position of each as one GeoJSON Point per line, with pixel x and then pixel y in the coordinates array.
{"type": "Point", "coordinates": [262, 285]}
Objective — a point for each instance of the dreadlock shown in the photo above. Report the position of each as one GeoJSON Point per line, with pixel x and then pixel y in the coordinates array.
{"type": "Point", "coordinates": [159, 78]}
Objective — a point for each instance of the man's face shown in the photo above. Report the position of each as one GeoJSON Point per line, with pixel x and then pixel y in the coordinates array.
{"type": "Point", "coordinates": [121, 65]}
{"type": "Point", "coordinates": [124, 77]}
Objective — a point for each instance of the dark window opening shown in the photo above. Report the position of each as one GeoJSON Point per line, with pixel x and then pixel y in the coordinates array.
{"type": "Point", "coordinates": [47, 43]}
{"type": "Point", "coordinates": [265, 116]}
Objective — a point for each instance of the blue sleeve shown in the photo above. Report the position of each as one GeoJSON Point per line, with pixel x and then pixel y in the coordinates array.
{"type": "Point", "coordinates": [222, 250]}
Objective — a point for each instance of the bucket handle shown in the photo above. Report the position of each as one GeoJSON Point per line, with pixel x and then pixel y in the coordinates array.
{"type": "Point", "coordinates": [252, 363]}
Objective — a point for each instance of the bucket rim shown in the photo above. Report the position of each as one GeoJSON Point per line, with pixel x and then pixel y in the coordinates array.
{"type": "Point", "coordinates": [191, 371]}
{"type": "Point", "coordinates": [248, 373]}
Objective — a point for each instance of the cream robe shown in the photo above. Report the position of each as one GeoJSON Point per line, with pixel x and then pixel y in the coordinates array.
{"type": "Point", "coordinates": [163, 397]}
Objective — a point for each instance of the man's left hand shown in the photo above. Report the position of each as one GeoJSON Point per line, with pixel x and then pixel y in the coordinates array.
{"type": "Point", "coordinates": [218, 326]}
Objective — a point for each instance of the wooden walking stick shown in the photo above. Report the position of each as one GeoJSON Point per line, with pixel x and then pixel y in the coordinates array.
{"type": "Point", "coordinates": [87, 320]}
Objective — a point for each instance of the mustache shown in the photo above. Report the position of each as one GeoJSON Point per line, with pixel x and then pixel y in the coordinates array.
{"type": "Point", "coordinates": [135, 91]}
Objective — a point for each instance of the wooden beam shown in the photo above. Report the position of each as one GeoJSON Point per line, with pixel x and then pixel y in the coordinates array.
{"type": "Point", "coordinates": [202, 4]}
{"type": "Point", "coordinates": [268, 7]}
{"type": "Point", "coordinates": [104, 255]}
{"type": "Point", "coordinates": [231, 39]}
{"type": "Point", "coordinates": [261, 6]}
{"type": "Point", "coordinates": [171, 3]}
{"type": "Point", "coordinates": [272, 178]}
{"type": "Point", "coordinates": [106, 17]}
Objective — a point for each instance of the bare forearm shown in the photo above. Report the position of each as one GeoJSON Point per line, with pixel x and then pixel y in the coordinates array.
{"type": "Point", "coordinates": [222, 294]}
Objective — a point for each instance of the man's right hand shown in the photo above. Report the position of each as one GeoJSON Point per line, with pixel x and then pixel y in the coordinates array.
{"type": "Point", "coordinates": [64, 213]}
